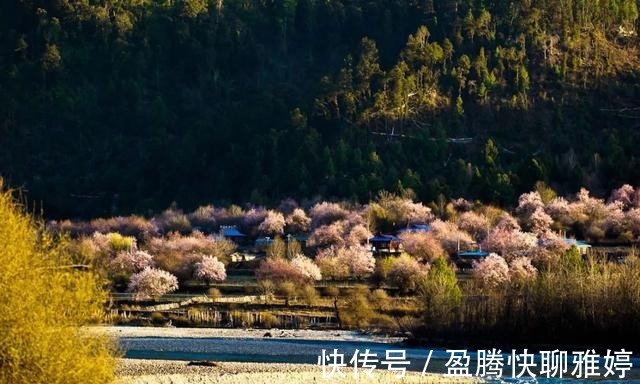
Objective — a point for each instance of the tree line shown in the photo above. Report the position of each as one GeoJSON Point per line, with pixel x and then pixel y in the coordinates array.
{"type": "Point", "coordinates": [111, 106]}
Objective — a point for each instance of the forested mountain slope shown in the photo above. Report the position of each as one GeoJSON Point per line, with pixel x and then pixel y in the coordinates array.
{"type": "Point", "coordinates": [110, 106]}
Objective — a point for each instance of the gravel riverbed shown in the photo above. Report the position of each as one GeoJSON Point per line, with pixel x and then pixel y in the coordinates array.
{"type": "Point", "coordinates": [135, 371]}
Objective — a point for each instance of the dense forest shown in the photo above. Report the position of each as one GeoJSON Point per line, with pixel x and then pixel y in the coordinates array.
{"type": "Point", "coordinates": [112, 106]}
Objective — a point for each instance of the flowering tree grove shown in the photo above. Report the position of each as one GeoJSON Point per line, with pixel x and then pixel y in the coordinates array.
{"type": "Point", "coordinates": [492, 272]}
{"type": "Point", "coordinates": [151, 283]}
{"type": "Point", "coordinates": [209, 269]}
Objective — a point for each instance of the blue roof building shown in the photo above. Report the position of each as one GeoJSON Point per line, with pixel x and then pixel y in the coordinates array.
{"type": "Point", "coordinates": [582, 246]}
{"type": "Point", "coordinates": [385, 243]}
{"type": "Point", "coordinates": [231, 232]}
{"type": "Point", "coordinates": [473, 254]}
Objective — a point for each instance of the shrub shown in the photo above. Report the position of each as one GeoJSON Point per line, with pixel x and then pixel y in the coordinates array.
{"type": "Point", "coordinates": [405, 273]}
{"type": "Point", "coordinates": [152, 283]}
{"type": "Point", "coordinates": [268, 320]}
{"type": "Point", "coordinates": [266, 289]}
{"type": "Point", "coordinates": [157, 318]}
{"type": "Point", "coordinates": [277, 249]}
{"type": "Point", "coordinates": [358, 310]}
{"type": "Point", "coordinates": [45, 307]}
{"type": "Point", "coordinates": [309, 294]}
{"type": "Point", "coordinates": [380, 299]}
{"type": "Point", "coordinates": [214, 294]}
{"type": "Point", "coordinates": [209, 269]}
{"type": "Point", "coordinates": [287, 289]}
{"type": "Point", "coordinates": [112, 243]}
{"type": "Point", "coordinates": [332, 291]}
{"type": "Point", "coordinates": [383, 266]}
{"type": "Point", "coordinates": [441, 295]}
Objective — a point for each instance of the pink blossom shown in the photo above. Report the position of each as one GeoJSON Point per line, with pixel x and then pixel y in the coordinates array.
{"type": "Point", "coordinates": [624, 194]}
{"type": "Point", "coordinates": [632, 218]}
{"type": "Point", "coordinates": [354, 218]}
{"type": "Point", "coordinates": [342, 262]}
{"type": "Point", "coordinates": [358, 235]}
{"type": "Point", "coordinates": [529, 203]}
{"type": "Point", "coordinates": [492, 272]}
{"type": "Point", "coordinates": [539, 221]}
{"type": "Point", "coordinates": [475, 224]}
{"type": "Point", "coordinates": [614, 218]}
{"type": "Point", "coordinates": [209, 269]}
{"type": "Point", "coordinates": [559, 210]}
{"type": "Point", "coordinates": [328, 235]}
{"type": "Point", "coordinates": [131, 261]}
{"type": "Point", "coordinates": [462, 205]}
{"type": "Point", "coordinates": [423, 246]}
{"type": "Point", "coordinates": [521, 269]}
{"type": "Point", "coordinates": [326, 213]}
{"type": "Point", "coordinates": [510, 243]}
{"type": "Point", "coordinates": [151, 282]}
{"type": "Point", "coordinates": [507, 222]}
{"type": "Point", "coordinates": [360, 260]}
{"type": "Point", "coordinates": [451, 238]}
{"type": "Point", "coordinates": [306, 267]}
{"type": "Point", "coordinates": [298, 221]}
{"type": "Point", "coordinates": [253, 218]}
{"type": "Point", "coordinates": [594, 217]}
{"type": "Point", "coordinates": [552, 242]}
{"type": "Point", "coordinates": [196, 242]}
{"type": "Point", "coordinates": [400, 211]}
{"type": "Point", "coordinates": [273, 224]}
{"type": "Point", "coordinates": [136, 226]}
{"type": "Point", "coordinates": [279, 270]}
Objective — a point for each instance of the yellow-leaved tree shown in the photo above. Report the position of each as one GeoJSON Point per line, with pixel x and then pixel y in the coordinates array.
{"type": "Point", "coordinates": [44, 304]}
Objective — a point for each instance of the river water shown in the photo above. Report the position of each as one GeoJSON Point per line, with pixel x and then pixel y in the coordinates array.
{"type": "Point", "coordinates": [289, 350]}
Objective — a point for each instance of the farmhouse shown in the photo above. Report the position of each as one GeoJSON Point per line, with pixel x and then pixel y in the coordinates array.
{"type": "Point", "coordinates": [385, 244]}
